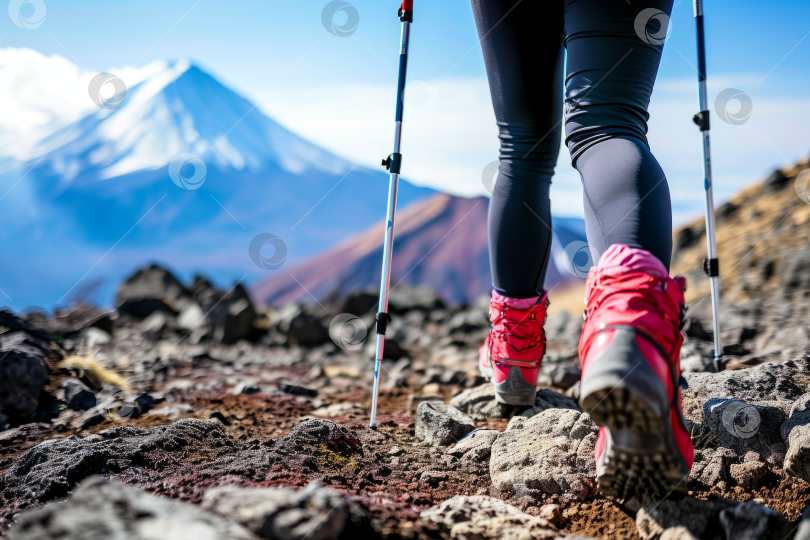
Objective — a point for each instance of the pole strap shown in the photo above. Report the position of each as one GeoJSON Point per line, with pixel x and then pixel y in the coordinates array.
{"type": "Point", "coordinates": [383, 319]}
{"type": "Point", "coordinates": [711, 267]}
{"type": "Point", "coordinates": [393, 163]}
{"type": "Point", "coordinates": [702, 120]}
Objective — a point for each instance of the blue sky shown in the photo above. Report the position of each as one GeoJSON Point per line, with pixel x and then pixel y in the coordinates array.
{"type": "Point", "coordinates": [338, 92]}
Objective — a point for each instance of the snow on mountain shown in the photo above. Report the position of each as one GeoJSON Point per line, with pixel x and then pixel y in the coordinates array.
{"type": "Point", "coordinates": [86, 195]}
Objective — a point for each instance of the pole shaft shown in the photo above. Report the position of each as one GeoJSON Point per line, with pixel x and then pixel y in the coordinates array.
{"type": "Point", "coordinates": [711, 240]}
{"type": "Point", "coordinates": [393, 186]}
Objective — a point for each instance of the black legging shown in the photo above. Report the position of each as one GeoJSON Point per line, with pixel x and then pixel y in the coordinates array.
{"type": "Point", "coordinates": [610, 73]}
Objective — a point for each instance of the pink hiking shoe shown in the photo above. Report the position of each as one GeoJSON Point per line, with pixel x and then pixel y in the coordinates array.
{"type": "Point", "coordinates": [630, 354]}
{"type": "Point", "coordinates": [511, 354]}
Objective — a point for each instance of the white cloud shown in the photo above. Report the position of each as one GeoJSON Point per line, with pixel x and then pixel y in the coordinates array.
{"type": "Point", "coordinates": [448, 148]}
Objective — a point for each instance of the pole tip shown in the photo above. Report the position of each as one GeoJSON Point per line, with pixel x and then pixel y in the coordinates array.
{"type": "Point", "coordinates": [373, 426]}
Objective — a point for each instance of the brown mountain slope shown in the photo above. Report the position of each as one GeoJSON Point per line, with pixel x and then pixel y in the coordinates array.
{"type": "Point", "coordinates": [440, 241]}
{"type": "Point", "coordinates": [761, 236]}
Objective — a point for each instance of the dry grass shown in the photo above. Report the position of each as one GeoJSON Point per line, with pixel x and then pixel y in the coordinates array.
{"type": "Point", "coordinates": [85, 367]}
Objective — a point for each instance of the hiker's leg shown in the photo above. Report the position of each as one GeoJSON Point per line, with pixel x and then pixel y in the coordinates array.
{"type": "Point", "coordinates": [522, 44]}
{"type": "Point", "coordinates": [610, 75]}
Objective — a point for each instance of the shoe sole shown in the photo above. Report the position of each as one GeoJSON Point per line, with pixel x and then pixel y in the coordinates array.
{"type": "Point", "coordinates": [623, 394]}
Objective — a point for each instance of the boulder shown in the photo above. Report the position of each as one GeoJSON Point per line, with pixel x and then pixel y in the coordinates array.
{"type": "Point", "coordinates": [312, 513]}
{"type": "Point", "coordinates": [746, 426]}
{"type": "Point", "coordinates": [478, 402]}
{"type": "Point", "coordinates": [796, 434]}
{"type": "Point", "coordinates": [101, 509]}
{"type": "Point", "coordinates": [753, 521]}
{"type": "Point", "coordinates": [748, 475]}
{"type": "Point", "coordinates": [231, 312]}
{"type": "Point", "coordinates": [476, 446]}
{"type": "Point", "coordinates": [550, 453]}
{"type": "Point", "coordinates": [53, 468]}
{"type": "Point", "coordinates": [24, 352]}
{"type": "Point", "coordinates": [78, 396]}
{"type": "Point", "coordinates": [700, 518]}
{"type": "Point", "coordinates": [302, 326]}
{"type": "Point", "coordinates": [440, 424]}
{"type": "Point", "coordinates": [767, 385]}
{"type": "Point", "coordinates": [151, 289]}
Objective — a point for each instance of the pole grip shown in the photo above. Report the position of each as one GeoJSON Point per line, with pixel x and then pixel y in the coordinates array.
{"type": "Point", "coordinates": [406, 11]}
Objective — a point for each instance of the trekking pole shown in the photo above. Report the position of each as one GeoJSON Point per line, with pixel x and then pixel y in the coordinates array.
{"type": "Point", "coordinates": [710, 265]}
{"type": "Point", "coordinates": [392, 163]}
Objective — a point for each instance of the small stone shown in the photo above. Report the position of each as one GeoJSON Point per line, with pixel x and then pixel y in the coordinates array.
{"type": "Point", "coordinates": [748, 475]}
{"type": "Point", "coordinates": [476, 446]}
{"type": "Point", "coordinates": [551, 513]}
{"type": "Point", "coordinates": [752, 521]}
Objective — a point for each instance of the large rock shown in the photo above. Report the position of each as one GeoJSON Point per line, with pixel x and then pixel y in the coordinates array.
{"type": "Point", "coordinates": [482, 518]}
{"type": "Point", "coordinates": [550, 453]}
{"type": "Point", "coordinates": [302, 326]}
{"type": "Point", "coordinates": [752, 521]}
{"type": "Point", "coordinates": [151, 289]}
{"type": "Point", "coordinates": [708, 519]}
{"type": "Point", "coordinates": [746, 426]}
{"type": "Point", "coordinates": [476, 446]}
{"type": "Point", "coordinates": [231, 312]}
{"type": "Point", "coordinates": [100, 510]}
{"type": "Point", "coordinates": [440, 424]}
{"type": "Point", "coordinates": [24, 371]}
{"type": "Point", "coordinates": [52, 469]}
{"type": "Point", "coordinates": [478, 402]}
{"type": "Point", "coordinates": [768, 382]}
{"type": "Point", "coordinates": [313, 513]}
{"type": "Point", "coordinates": [315, 440]}
{"type": "Point", "coordinates": [796, 434]}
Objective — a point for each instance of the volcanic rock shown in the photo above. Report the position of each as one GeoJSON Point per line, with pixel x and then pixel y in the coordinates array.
{"type": "Point", "coordinates": [440, 424]}
{"type": "Point", "coordinates": [550, 453]}
{"type": "Point", "coordinates": [99, 509]}
{"type": "Point", "coordinates": [151, 289]}
{"type": "Point", "coordinates": [476, 446]}
{"type": "Point", "coordinates": [312, 513]}
{"type": "Point", "coordinates": [481, 517]}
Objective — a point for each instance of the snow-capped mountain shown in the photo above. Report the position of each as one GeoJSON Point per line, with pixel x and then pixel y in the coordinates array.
{"type": "Point", "coordinates": [86, 194]}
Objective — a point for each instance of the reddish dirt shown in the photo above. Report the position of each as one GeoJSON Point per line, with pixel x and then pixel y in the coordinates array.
{"type": "Point", "coordinates": [388, 485]}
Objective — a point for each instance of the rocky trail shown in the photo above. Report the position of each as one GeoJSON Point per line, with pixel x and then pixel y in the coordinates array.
{"type": "Point", "coordinates": [189, 412]}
